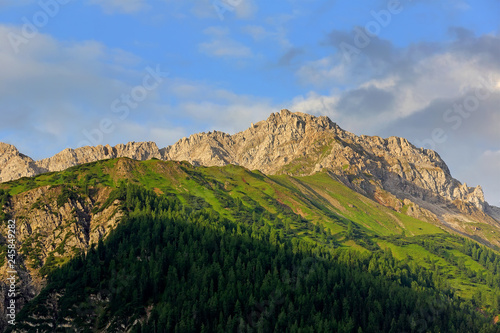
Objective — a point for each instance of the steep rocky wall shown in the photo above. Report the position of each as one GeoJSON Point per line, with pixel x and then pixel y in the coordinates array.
{"type": "Point", "coordinates": [295, 144]}
{"type": "Point", "coordinates": [14, 165]}
{"type": "Point", "coordinates": [50, 232]}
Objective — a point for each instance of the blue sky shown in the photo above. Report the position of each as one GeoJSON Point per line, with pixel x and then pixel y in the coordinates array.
{"type": "Point", "coordinates": [425, 70]}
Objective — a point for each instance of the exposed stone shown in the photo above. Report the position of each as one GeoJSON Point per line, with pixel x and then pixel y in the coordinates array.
{"type": "Point", "coordinates": [392, 171]}
{"type": "Point", "coordinates": [296, 144]}
{"type": "Point", "coordinates": [301, 144]}
{"type": "Point", "coordinates": [14, 165]}
{"type": "Point", "coordinates": [49, 230]}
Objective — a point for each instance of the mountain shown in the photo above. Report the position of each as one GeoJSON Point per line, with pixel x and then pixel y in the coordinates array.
{"type": "Point", "coordinates": [100, 241]}
{"type": "Point", "coordinates": [14, 165]}
{"type": "Point", "coordinates": [390, 171]}
{"type": "Point", "coordinates": [294, 188]}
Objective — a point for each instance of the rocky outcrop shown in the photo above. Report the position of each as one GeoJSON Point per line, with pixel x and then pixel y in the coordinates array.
{"type": "Point", "coordinates": [296, 144]}
{"type": "Point", "coordinates": [14, 165]}
{"type": "Point", "coordinates": [52, 232]}
{"type": "Point", "coordinates": [71, 157]}
{"type": "Point", "coordinates": [392, 171]}
{"type": "Point", "coordinates": [301, 144]}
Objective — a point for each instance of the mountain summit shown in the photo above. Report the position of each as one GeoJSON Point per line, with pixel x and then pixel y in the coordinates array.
{"type": "Point", "coordinates": [391, 171]}
{"type": "Point", "coordinates": [97, 238]}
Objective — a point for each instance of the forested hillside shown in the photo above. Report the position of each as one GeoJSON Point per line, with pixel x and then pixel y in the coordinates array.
{"type": "Point", "coordinates": [228, 249]}
{"type": "Point", "coordinates": [170, 268]}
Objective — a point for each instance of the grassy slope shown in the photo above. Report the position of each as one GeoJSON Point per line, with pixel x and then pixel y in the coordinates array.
{"type": "Point", "coordinates": [305, 202]}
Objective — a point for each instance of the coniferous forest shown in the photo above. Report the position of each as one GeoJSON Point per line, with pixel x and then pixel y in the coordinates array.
{"type": "Point", "coordinates": [168, 267]}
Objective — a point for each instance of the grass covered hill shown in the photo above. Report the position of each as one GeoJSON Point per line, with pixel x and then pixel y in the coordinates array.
{"type": "Point", "coordinates": [159, 246]}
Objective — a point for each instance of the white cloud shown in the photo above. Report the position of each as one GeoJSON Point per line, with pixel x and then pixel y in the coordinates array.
{"type": "Point", "coordinates": [459, 5]}
{"type": "Point", "coordinates": [53, 91]}
{"type": "Point", "coordinates": [213, 108]}
{"type": "Point", "coordinates": [413, 87]}
{"type": "Point", "coordinates": [216, 10]}
{"type": "Point", "coordinates": [323, 72]}
{"type": "Point", "coordinates": [257, 32]}
{"type": "Point", "coordinates": [230, 116]}
{"type": "Point", "coordinates": [222, 45]}
{"type": "Point", "coordinates": [316, 104]}
{"type": "Point", "coordinates": [260, 33]}
{"type": "Point", "coordinates": [245, 9]}
{"type": "Point", "coordinates": [108, 6]}
{"type": "Point", "coordinates": [328, 105]}
{"type": "Point", "coordinates": [225, 48]}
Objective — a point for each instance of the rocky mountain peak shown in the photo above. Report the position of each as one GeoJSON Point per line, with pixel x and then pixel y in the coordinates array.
{"type": "Point", "coordinates": [302, 144]}
{"type": "Point", "coordinates": [291, 143]}
{"type": "Point", "coordinates": [14, 165]}
{"type": "Point", "coordinates": [296, 122]}
{"type": "Point", "coordinates": [5, 148]}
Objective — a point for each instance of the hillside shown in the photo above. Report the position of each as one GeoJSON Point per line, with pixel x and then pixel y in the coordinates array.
{"type": "Point", "coordinates": [293, 186]}
{"type": "Point", "coordinates": [390, 171]}
{"type": "Point", "coordinates": [60, 215]}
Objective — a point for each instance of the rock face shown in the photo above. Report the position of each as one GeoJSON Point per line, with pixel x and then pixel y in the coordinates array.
{"type": "Point", "coordinates": [71, 157]}
{"type": "Point", "coordinates": [391, 171]}
{"type": "Point", "coordinates": [50, 231]}
{"type": "Point", "coordinates": [301, 144]}
{"type": "Point", "coordinates": [14, 165]}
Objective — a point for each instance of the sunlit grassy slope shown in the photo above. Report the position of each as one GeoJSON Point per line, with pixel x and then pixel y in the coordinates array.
{"type": "Point", "coordinates": [316, 208]}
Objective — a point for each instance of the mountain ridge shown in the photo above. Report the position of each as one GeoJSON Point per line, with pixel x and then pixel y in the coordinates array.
{"type": "Point", "coordinates": [391, 171]}
{"type": "Point", "coordinates": [64, 215]}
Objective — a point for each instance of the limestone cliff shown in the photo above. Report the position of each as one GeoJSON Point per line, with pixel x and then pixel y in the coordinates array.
{"type": "Point", "coordinates": [388, 170]}
{"type": "Point", "coordinates": [51, 232]}
{"type": "Point", "coordinates": [14, 165]}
